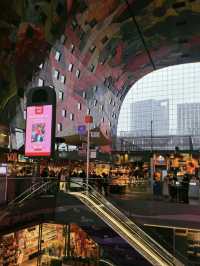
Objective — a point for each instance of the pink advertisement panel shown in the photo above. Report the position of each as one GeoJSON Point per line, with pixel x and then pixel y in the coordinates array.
{"type": "Point", "coordinates": [38, 130]}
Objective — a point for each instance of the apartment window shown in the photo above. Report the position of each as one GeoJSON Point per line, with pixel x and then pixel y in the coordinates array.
{"type": "Point", "coordinates": [59, 127]}
{"type": "Point", "coordinates": [79, 106]}
{"type": "Point", "coordinates": [71, 116]}
{"type": "Point", "coordinates": [84, 94]}
{"type": "Point", "coordinates": [88, 111]}
{"type": "Point", "coordinates": [62, 79]}
{"type": "Point", "coordinates": [57, 55]}
{"type": "Point", "coordinates": [40, 82]}
{"type": "Point", "coordinates": [64, 113]}
{"type": "Point", "coordinates": [56, 74]}
{"type": "Point", "coordinates": [95, 102]}
{"type": "Point", "coordinates": [70, 67]}
{"type": "Point", "coordinates": [78, 72]}
{"type": "Point", "coordinates": [101, 107]}
{"type": "Point", "coordinates": [61, 95]}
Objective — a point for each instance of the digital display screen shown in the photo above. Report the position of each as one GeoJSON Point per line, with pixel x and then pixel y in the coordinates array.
{"type": "Point", "coordinates": [38, 130]}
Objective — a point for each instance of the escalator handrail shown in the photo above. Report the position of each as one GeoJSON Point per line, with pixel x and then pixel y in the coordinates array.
{"type": "Point", "coordinates": [134, 228]}
{"type": "Point", "coordinates": [31, 188]}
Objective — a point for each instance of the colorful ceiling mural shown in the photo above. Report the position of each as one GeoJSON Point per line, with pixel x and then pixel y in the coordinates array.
{"type": "Point", "coordinates": [99, 48]}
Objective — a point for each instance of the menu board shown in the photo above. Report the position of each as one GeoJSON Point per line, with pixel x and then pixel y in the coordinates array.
{"type": "Point", "coordinates": [38, 130]}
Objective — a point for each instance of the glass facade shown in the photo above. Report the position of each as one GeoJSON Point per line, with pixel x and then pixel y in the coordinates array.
{"type": "Point", "coordinates": [164, 102]}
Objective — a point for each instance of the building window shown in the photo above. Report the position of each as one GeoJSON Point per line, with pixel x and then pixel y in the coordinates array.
{"type": "Point", "coordinates": [64, 113]}
{"type": "Point", "coordinates": [70, 67]}
{"type": "Point", "coordinates": [101, 107]}
{"type": "Point", "coordinates": [57, 56]}
{"type": "Point", "coordinates": [40, 82]}
{"type": "Point", "coordinates": [88, 111]}
{"type": "Point", "coordinates": [84, 94]}
{"type": "Point", "coordinates": [56, 74]}
{"type": "Point", "coordinates": [78, 72]}
{"type": "Point", "coordinates": [71, 116]}
{"type": "Point", "coordinates": [59, 127]}
{"type": "Point", "coordinates": [62, 79]}
{"type": "Point", "coordinates": [61, 95]}
{"type": "Point", "coordinates": [79, 106]}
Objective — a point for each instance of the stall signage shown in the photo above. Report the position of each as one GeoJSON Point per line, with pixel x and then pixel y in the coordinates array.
{"type": "Point", "coordinates": [38, 130]}
{"type": "Point", "coordinates": [12, 157]}
{"type": "Point", "coordinates": [95, 134]}
{"type": "Point", "coordinates": [82, 130]}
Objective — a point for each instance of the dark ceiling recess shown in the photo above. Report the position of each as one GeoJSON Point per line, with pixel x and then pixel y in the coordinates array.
{"type": "Point", "coordinates": [179, 5]}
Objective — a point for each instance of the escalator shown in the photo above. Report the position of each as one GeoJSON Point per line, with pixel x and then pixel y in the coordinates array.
{"type": "Point", "coordinates": [126, 228]}
{"type": "Point", "coordinates": [122, 225]}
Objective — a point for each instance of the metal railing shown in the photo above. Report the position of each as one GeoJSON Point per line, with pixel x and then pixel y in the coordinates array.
{"type": "Point", "coordinates": [120, 223]}
{"type": "Point", "coordinates": [126, 228]}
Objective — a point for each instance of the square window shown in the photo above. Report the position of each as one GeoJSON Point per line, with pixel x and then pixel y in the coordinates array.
{"type": "Point", "coordinates": [79, 106]}
{"type": "Point", "coordinates": [64, 113]}
{"type": "Point", "coordinates": [95, 102]}
{"type": "Point", "coordinates": [84, 94]}
{"type": "Point", "coordinates": [40, 82]}
{"type": "Point", "coordinates": [61, 95]}
{"type": "Point", "coordinates": [78, 72]}
{"type": "Point", "coordinates": [70, 67]}
{"type": "Point", "coordinates": [57, 56]}
{"type": "Point", "coordinates": [59, 127]}
{"type": "Point", "coordinates": [62, 79]}
{"type": "Point", "coordinates": [56, 74]}
{"type": "Point", "coordinates": [71, 116]}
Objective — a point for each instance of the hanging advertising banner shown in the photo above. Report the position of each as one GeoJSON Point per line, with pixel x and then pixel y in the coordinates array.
{"type": "Point", "coordinates": [38, 130]}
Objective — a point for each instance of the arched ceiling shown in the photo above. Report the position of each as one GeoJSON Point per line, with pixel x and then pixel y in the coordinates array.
{"type": "Point", "coordinates": [116, 41]}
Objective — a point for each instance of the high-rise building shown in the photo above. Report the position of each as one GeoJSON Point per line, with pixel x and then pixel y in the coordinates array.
{"type": "Point", "coordinates": [150, 117]}
{"type": "Point", "coordinates": [188, 119]}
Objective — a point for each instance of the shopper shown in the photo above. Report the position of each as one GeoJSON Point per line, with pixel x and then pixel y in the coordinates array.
{"type": "Point", "coordinates": [185, 188]}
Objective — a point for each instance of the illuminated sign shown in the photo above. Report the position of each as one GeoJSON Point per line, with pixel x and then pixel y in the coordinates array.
{"type": "Point", "coordinates": [38, 130]}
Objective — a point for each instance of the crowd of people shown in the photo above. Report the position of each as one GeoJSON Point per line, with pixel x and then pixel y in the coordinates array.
{"type": "Point", "coordinates": [171, 186]}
